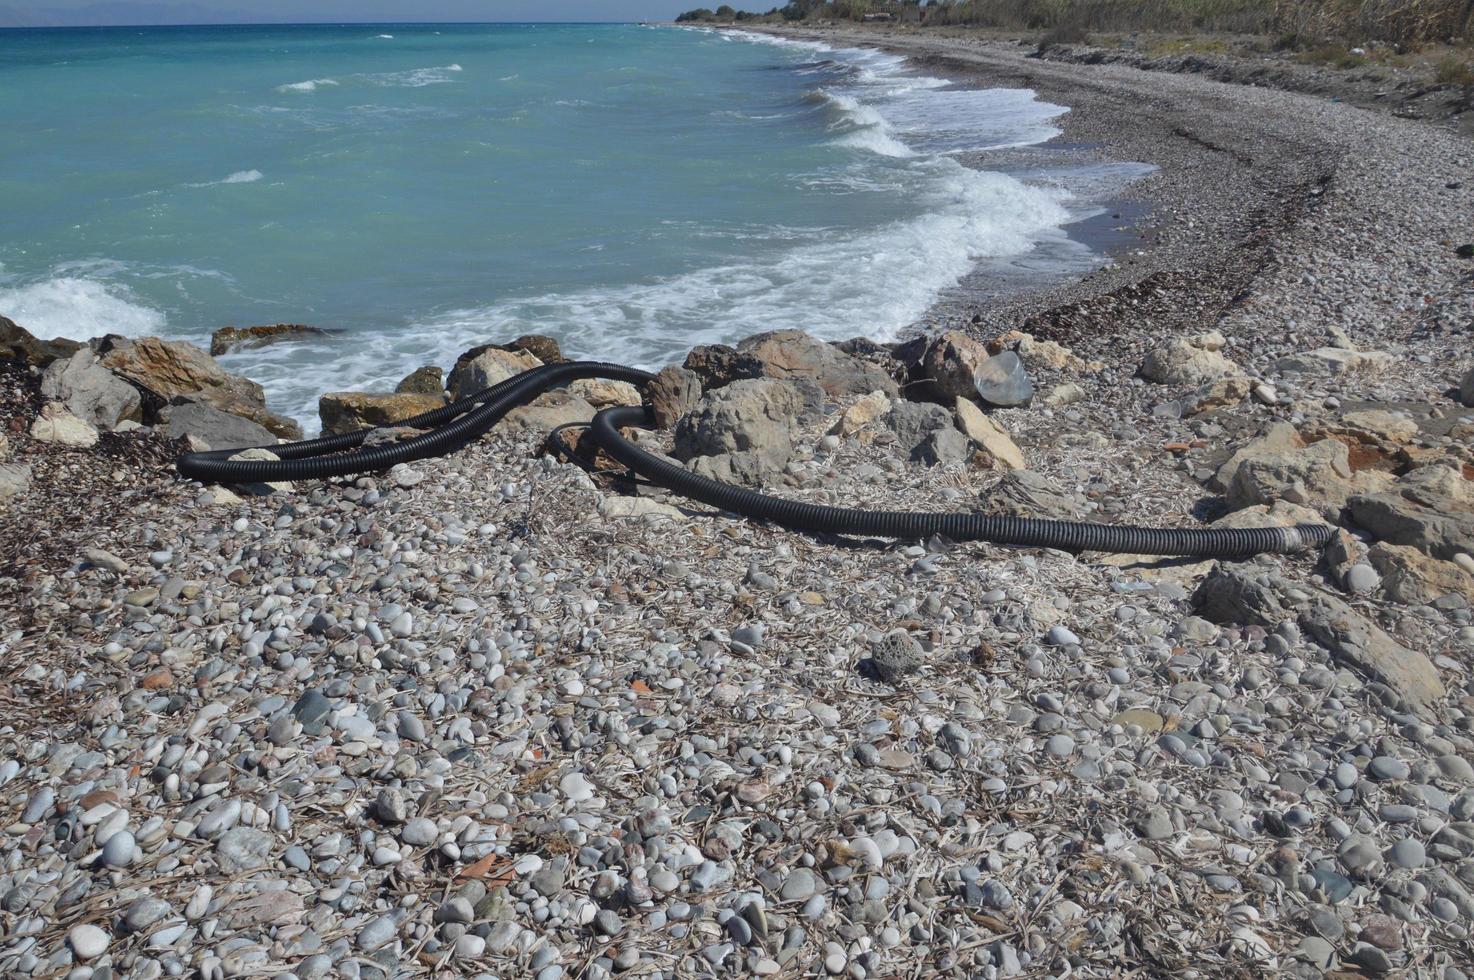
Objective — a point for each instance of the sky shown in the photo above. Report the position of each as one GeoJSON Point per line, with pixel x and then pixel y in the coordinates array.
{"type": "Point", "coordinates": [44, 13]}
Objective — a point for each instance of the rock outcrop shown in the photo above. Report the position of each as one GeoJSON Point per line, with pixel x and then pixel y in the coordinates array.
{"type": "Point", "coordinates": [90, 391]}
{"type": "Point", "coordinates": [349, 411]}
{"type": "Point", "coordinates": [227, 339]}
{"type": "Point", "coordinates": [18, 344]}
{"type": "Point", "coordinates": [1238, 594]}
{"type": "Point", "coordinates": [1412, 577]}
{"type": "Point", "coordinates": [1431, 509]}
{"type": "Point", "coordinates": [1318, 476]}
{"type": "Point", "coordinates": [176, 371]}
{"type": "Point", "coordinates": [926, 434]}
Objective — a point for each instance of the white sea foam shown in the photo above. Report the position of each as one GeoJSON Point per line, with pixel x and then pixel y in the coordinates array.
{"type": "Point", "coordinates": [387, 37]}
{"type": "Point", "coordinates": [239, 177]}
{"type": "Point", "coordinates": [78, 307]}
{"type": "Point", "coordinates": [863, 127]}
{"type": "Point", "coordinates": [834, 285]}
{"type": "Point", "coordinates": [311, 85]}
{"type": "Point", "coordinates": [415, 77]}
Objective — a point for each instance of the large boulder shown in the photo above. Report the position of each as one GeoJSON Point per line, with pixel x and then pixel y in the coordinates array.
{"type": "Point", "coordinates": [209, 428]}
{"type": "Point", "coordinates": [540, 346]}
{"type": "Point", "coordinates": [1278, 438]}
{"type": "Point", "coordinates": [673, 392]}
{"type": "Point", "coordinates": [18, 344]}
{"type": "Point", "coordinates": [90, 391]}
{"type": "Point", "coordinates": [951, 363]}
{"type": "Point", "coordinates": [1431, 509]}
{"type": "Point", "coordinates": [1189, 361]}
{"type": "Point", "coordinates": [227, 339]}
{"type": "Point", "coordinates": [176, 371]}
{"type": "Point", "coordinates": [793, 354]}
{"type": "Point", "coordinates": [926, 434]}
{"type": "Point", "coordinates": [1412, 577]}
{"type": "Point", "coordinates": [1318, 476]}
{"type": "Point", "coordinates": [1334, 361]}
{"type": "Point", "coordinates": [60, 427]}
{"type": "Point", "coordinates": [482, 367]}
{"type": "Point", "coordinates": [349, 411]}
{"type": "Point", "coordinates": [750, 416]}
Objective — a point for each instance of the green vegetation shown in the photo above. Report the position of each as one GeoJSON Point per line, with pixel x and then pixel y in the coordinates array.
{"type": "Point", "coordinates": [1453, 69]}
{"type": "Point", "coordinates": [1303, 25]}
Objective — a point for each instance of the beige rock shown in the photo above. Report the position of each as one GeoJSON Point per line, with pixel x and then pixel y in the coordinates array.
{"type": "Point", "coordinates": [1037, 354]}
{"type": "Point", "coordinates": [602, 393]}
{"type": "Point", "coordinates": [349, 411]}
{"type": "Point", "coordinates": [1189, 361]}
{"type": "Point", "coordinates": [487, 366]}
{"type": "Point", "coordinates": [15, 479]}
{"type": "Point", "coordinates": [60, 427]}
{"type": "Point", "coordinates": [861, 413]}
{"type": "Point", "coordinates": [1430, 508]}
{"type": "Point", "coordinates": [1218, 394]}
{"type": "Point", "coordinates": [545, 413]}
{"type": "Point", "coordinates": [992, 437]}
{"type": "Point", "coordinates": [639, 507]}
{"type": "Point", "coordinates": [257, 454]}
{"type": "Point", "coordinates": [1318, 476]}
{"type": "Point", "coordinates": [1279, 437]}
{"type": "Point", "coordinates": [1412, 577]}
{"type": "Point", "coordinates": [1332, 361]}
{"type": "Point", "coordinates": [4, 447]}
{"type": "Point", "coordinates": [1281, 513]}
{"type": "Point", "coordinates": [1064, 394]}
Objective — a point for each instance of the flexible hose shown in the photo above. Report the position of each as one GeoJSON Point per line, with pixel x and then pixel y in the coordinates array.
{"type": "Point", "coordinates": [462, 421]}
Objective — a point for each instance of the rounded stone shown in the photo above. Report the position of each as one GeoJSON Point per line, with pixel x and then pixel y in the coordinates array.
{"type": "Point", "coordinates": [88, 942]}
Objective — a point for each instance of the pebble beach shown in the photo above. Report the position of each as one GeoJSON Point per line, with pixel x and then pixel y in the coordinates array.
{"type": "Point", "coordinates": [500, 715]}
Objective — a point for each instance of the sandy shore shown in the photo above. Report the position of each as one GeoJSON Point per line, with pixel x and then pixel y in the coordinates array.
{"type": "Point", "coordinates": [486, 715]}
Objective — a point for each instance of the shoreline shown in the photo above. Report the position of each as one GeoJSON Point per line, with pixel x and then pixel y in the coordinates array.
{"type": "Point", "coordinates": [494, 712]}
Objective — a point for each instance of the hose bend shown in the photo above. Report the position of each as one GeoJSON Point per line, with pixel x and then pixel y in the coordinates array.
{"type": "Point", "coordinates": [451, 427]}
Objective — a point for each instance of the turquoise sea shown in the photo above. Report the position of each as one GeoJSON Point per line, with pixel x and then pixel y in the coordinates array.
{"type": "Point", "coordinates": [422, 188]}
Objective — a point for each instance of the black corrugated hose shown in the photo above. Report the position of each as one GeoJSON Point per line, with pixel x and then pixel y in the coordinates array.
{"type": "Point", "coordinates": [451, 427]}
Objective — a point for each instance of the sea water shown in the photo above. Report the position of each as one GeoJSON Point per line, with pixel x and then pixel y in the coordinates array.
{"type": "Point", "coordinates": [419, 189]}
